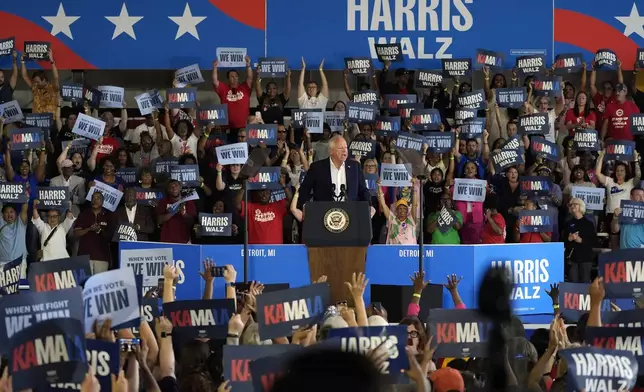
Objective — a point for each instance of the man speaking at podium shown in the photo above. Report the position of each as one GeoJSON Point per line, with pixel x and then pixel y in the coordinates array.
{"type": "Point", "coordinates": [334, 178]}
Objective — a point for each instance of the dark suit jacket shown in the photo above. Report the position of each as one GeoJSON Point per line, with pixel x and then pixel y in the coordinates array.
{"type": "Point", "coordinates": [317, 184]}
{"type": "Point", "coordinates": [143, 218]}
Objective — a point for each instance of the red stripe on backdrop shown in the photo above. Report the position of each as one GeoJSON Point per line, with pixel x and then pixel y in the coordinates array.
{"type": "Point", "coordinates": [25, 30]}
{"type": "Point", "coordinates": [251, 13]}
{"type": "Point", "coordinates": [591, 34]}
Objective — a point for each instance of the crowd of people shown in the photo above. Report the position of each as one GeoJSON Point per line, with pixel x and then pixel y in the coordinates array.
{"type": "Point", "coordinates": [173, 137]}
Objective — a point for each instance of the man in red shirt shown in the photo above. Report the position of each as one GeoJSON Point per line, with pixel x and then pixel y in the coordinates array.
{"type": "Point", "coordinates": [266, 220]}
{"type": "Point", "coordinates": [615, 124]}
{"type": "Point", "coordinates": [607, 95]}
{"type": "Point", "coordinates": [234, 94]}
{"type": "Point", "coordinates": [494, 230]}
{"type": "Point", "coordinates": [176, 220]}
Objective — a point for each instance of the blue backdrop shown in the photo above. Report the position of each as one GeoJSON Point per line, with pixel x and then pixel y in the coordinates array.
{"type": "Point", "coordinates": [533, 267]}
{"type": "Point", "coordinates": [165, 34]}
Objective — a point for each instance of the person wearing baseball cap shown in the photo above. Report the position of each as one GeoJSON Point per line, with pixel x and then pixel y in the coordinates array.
{"type": "Point", "coordinates": [402, 85]}
{"type": "Point", "coordinates": [401, 225]}
{"type": "Point", "coordinates": [447, 380]}
{"type": "Point", "coordinates": [615, 120]}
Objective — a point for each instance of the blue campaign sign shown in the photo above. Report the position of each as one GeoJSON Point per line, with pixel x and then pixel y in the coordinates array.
{"type": "Point", "coordinates": [386, 264]}
{"type": "Point", "coordinates": [532, 268]}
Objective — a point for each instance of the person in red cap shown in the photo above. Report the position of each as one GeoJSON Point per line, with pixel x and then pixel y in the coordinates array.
{"type": "Point", "coordinates": [447, 380]}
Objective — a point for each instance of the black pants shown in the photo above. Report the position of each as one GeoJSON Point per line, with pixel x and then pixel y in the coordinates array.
{"type": "Point", "coordinates": [579, 272]}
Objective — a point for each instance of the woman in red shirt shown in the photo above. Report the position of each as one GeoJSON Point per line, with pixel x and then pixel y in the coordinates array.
{"type": "Point", "coordinates": [580, 116]}
{"type": "Point", "coordinates": [494, 230]}
{"type": "Point", "coordinates": [527, 238]}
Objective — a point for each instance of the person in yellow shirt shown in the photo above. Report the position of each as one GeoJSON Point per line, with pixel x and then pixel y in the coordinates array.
{"type": "Point", "coordinates": [45, 93]}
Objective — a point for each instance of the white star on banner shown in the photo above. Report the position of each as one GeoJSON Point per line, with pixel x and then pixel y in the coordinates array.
{"type": "Point", "coordinates": [124, 23]}
{"type": "Point", "coordinates": [634, 23]}
{"type": "Point", "coordinates": [61, 22]}
{"type": "Point", "coordinates": [187, 23]}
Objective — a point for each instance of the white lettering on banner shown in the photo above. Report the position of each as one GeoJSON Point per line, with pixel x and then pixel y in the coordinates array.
{"type": "Point", "coordinates": [260, 252]}
{"type": "Point", "coordinates": [390, 16]}
{"type": "Point", "coordinates": [365, 344]}
{"type": "Point", "coordinates": [409, 253]}
{"type": "Point", "coordinates": [602, 365]}
{"type": "Point", "coordinates": [526, 272]}
{"type": "Point", "coordinates": [530, 65]}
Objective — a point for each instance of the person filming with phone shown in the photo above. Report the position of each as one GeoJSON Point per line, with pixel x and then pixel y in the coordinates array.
{"type": "Point", "coordinates": [579, 234]}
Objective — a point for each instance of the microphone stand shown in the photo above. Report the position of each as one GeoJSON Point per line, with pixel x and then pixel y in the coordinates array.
{"type": "Point", "coordinates": [421, 234]}
{"type": "Point", "coordinates": [246, 231]}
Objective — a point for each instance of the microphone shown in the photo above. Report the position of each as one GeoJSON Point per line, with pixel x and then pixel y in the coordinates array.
{"type": "Point", "coordinates": [343, 192]}
{"type": "Point", "coordinates": [335, 197]}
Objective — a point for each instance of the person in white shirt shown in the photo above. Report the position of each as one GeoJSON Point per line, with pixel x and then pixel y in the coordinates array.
{"type": "Point", "coordinates": [541, 106]}
{"type": "Point", "coordinates": [312, 97]}
{"type": "Point", "coordinates": [150, 125]}
{"type": "Point", "coordinates": [184, 136]}
{"type": "Point", "coordinates": [53, 233]}
{"type": "Point", "coordinates": [75, 185]}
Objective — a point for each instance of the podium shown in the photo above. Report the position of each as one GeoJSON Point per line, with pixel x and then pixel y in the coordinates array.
{"type": "Point", "coordinates": [337, 235]}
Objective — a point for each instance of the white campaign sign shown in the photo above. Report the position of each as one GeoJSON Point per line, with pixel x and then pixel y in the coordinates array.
{"type": "Point", "coordinates": [89, 127]}
{"type": "Point", "coordinates": [111, 196]}
{"type": "Point", "coordinates": [394, 175]}
{"type": "Point", "coordinates": [11, 112]}
{"type": "Point", "coordinates": [466, 189]}
{"type": "Point", "coordinates": [147, 262]}
{"type": "Point", "coordinates": [111, 295]}
{"type": "Point", "coordinates": [188, 75]}
{"type": "Point", "coordinates": [231, 57]}
{"type": "Point", "coordinates": [232, 154]}
{"type": "Point", "coordinates": [593, 197]}
{"type": "Point", "coordinates": [335, 120]}
{"type": "Point", "coordinates": [144, 102]}
{"type": "Point", "coordinates": [113, 97]}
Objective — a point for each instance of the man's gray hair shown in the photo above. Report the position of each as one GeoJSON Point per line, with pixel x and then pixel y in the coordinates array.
{"type": "Point", "coordinates": [333, 141]}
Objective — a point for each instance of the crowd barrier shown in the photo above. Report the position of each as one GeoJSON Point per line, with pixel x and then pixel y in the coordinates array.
{"type": "Point", "coordinates": [533, 267]}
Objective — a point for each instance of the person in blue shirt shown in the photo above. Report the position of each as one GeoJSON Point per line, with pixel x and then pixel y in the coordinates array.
{"type": "Point", "coordinates": [13, 231]}
{"type": "Point", "coordinates": [25, 175]}
{"type": "Point", "coordinates": [472, 154]}
{"type": "Point", "coordinates": [631, 236]}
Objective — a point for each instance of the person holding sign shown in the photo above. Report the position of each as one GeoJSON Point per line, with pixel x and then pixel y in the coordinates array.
{"type": "Point", "coordinates": [184, 141]}
{"type": "Point", "coordinates": [234, 94]}
{"type": "Point", "coordinates": [44, 93]}
{"type": "Point", "coordinates": [271, 104]}
{"type": "Point", "coordinates": [449, 237]}
{"type": "Point", "coordinates": [24, 175]}
{"type": "Point", "coordinates": [146, 153]}
{"type": "Point", "coordinates": [618, 187]}
{"type": "Point", "coordinates": [139, 216]}
{"type": "Point", "coordinates": [175, 216]}
{"type": "Point", "coordinates": [615, 120]}
{"type": "Point", "coordinates": [404, 84]}
{"type": "Point", "coordinates": [630, 236]}
{"type": "Point", "coordinates": [267, 219]}
{"type": "Point", "coordinates": [472, 155]}
{"type": "Point", "coordinates": [580, 116]}
{"type": "Point", "coordinates": [312, 97]}
{"type": "Point", "coordinates": [295, 163]}
{"type": "Point", "coordinates": [14, 230]}
{"type": "Point", "coordinates": [7, 88]}
{"type": "Point", "coordinates": [579, 236]}
{"type": "Point", "coordinates": [53, 234]}
{"type": "Point", "coordinates": [606, 95]}
{"type": "Point", "coordinates": [95, 228]}
{"type": "Point", "coordinates": [541, 105]}
{"type": "Point", "coordinates": [498, 122]}
{"type": "Point", "coordinates": [495, 229]}
{"type": "Point", "coordinates": [109, 176]}
{"type": "Point", "coordinates": [530, 238]}
{"type": "Point", "coordinates": [401, 227]}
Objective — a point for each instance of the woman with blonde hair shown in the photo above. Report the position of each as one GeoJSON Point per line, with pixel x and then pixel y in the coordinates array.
{"type": "Point", "coordinates": [579, 237]}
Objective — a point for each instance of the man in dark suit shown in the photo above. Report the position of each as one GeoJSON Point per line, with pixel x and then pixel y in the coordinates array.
{"type": "Point", "coordinates": [334, 178]}
{"type": "Point", "coordinates": [140, 216]}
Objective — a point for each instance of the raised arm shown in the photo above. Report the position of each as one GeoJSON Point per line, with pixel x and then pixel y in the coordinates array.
{"type": "Point", "coordinates": [23, 72]}
{"type": "Point", "coordinates": [249, 73]}
{"type": "Point", "coordinates": [7, 161]}
{"type": "Point", "coordinates": [381, 201]}
{"type": "Point", "coordinates": [258, 85]}
{"type": "Point", "coordinates": [620, 74]}
{"type": "Point", "coordinates": [215, 76]}
{"type": "Point", "coordinates": [14, 71]}
{"type": "Point", "coordinates": [486, 83]}
{"type": "Point", "coordinates": [300, 85]}
{"type": "Point", "coordinates": [347, 88]}
{"type": "Point", "coordinates": [91, 162]}
{"type": "Point", "coordinates": [55, 81]}
{"type": "Point", "coordinates": [40, 169]}
{"type": "Point", "coordinates": [62, 156]}
{"type": "Point", "coordinates": [297, 213]}
{"type": "Point", "coordinates": [24, 213]}
{"type": "Point", "coordinates": [325, 84]}
{"type": "Point", "coordinates": [598, 168]}
{"type": "Point", "coordinates": [593, 80]}
{"type": "Point", "coordinates": [167, 123]}
{"type": "Point", "coordinates": [287, 86]}
{"type": "Point", "coordinates": [584, 77]}
{"type": "Point", "coordinates": [638, 170]}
